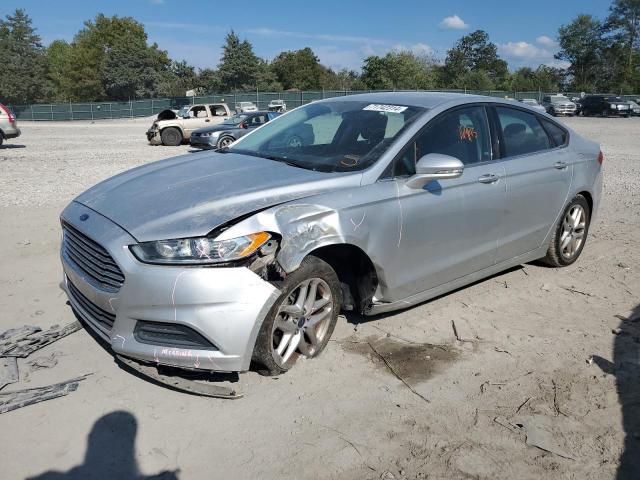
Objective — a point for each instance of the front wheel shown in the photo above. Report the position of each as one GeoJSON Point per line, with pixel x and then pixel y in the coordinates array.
{"type": "Point", "coordinates": [302, 320]}
{"type": "Point", "coordinates": [225, 142]}
{"type": "Point", "coordinates": [171, 137]}
{"type": "Point", "coordinates": [570, 234]}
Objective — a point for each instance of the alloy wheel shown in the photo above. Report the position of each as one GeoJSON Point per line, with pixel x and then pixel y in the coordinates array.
{"type": "Point", "coordinates": [573, 229]}
{"type": "Point", "coordinates": [302, 321]}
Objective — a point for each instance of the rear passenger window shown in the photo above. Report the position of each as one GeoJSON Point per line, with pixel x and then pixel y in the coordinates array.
{"type": "Point", "coordinates": [522, 132]}
{"type": "Point", "coordinates": [557, 134]}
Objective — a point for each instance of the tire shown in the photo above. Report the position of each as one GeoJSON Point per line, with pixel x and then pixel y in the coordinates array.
{"type": "Point", "coordinates": [552, 112]}
{"type": "Point", "coordinates": [171, 137]}
{"type": "Point", "coordinates": [225, 141]}
{"type": "Point", "coordinates": [286, 324]}
{"type": "Point", "coordinates": [294, 141]}
{"type": "Point", "coordinates": [1, 138]}
{"type": "Point", "coordinates": [559, 254]}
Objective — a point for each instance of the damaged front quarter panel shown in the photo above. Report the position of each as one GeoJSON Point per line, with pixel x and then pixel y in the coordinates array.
{"type": "Point", "coordinates": [302, 228]}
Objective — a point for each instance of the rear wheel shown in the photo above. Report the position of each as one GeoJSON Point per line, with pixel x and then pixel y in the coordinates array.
{"type": "Point", "coordinates": [1, 138]}
{"type": "Point", "coordinates": [302, 320]}
{"type": "Point", "coordinates": [171, 137]}
{"type": "Point", "coordinates": [570, 234]}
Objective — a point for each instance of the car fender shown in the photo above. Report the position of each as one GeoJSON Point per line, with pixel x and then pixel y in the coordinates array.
{"type": "Point", "coordinates": [166, 124]}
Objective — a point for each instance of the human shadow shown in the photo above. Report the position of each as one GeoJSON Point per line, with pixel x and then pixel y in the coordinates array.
{"type": "Point", "coordinates": [626, 368]}
{"type": "Point", "coordinates": [110, 453]}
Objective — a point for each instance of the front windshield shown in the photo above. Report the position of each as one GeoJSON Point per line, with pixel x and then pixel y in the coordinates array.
{"type": "Point", "coordinates": [614, 99]}
{"type": "Point", "coordinates": [235, 120]}
{"type": "Point", "coordinates": [559, 98]}
{"type": "Point", "coordinates": [331, 136]}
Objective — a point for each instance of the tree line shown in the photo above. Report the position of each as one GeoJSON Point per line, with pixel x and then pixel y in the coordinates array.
{"type": "Point", "coordinates": [110, 58]}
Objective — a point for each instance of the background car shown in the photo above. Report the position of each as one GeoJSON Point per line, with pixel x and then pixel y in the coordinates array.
{"type": "Point", "coordinates": [558, 105]}
{"type": "Point", "coordinates": [635, 108]}
{"type": "Point", "coordinates": [605, 105]}
{"type": "Point", "coordinates": [230, 130]}
{"type": "Point", "coordinates": [533, 103]}
{"type": "Point", "coordinates": [277, 105]}
{"type": "Point", "coordinates": [8, 124]}
{"type": "Point", "coordinates": [172, 128]}
{"type": "Point", "coordinates": [245, 107]}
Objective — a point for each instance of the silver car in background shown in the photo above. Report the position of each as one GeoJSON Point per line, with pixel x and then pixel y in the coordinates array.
{"type": "Point", "coordinates": [559, 105]}
{"type": "Point", "coordinates": [8, 124]}
{"type": "Point", "coordinates": [245, 256]}
{"type": "Point", "coordinates": [533, 103]}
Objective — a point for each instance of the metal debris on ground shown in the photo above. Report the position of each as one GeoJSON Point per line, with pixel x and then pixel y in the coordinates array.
{"type": "Point", "coordinates": [22, 342]}
{"type": "Point", "coordinates": [21, 398]}
{"type": "Point", "coordinates": [8, 371]}
{"type": "Point", "coordinates": [538, 437]}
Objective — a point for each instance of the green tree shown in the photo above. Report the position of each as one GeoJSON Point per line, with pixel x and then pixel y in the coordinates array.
{"type": "Point", "coordinates": [23, 61]}
{"type": "Point", "coordinates": [300, 69]}
{"type": "Point", "coordinates": [238, 67]}
{"type": "Point", "coordinates": [474, 53]}
{"type": "Point", "coordinates": [399, 70]}
{"type": "Point", "coordinates": [57, 54]}
{"type": "Point", "coordinates": [543, 79]}
{"type": "Point", "coordinates": [581, 44]}
{"type": "Point", "coordinates": [623, 24]}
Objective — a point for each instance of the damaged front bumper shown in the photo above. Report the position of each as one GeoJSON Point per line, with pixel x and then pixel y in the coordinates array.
{"type": "Point", "coordinates": [203, 318]}
{"type": "Point", "coordinates": [153, 136]}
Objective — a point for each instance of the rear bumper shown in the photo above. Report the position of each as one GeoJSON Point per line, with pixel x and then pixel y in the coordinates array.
{"type": "Point", "coordinates": [225, 306]}
{"type": "Point", "coordinates": [11, 133]}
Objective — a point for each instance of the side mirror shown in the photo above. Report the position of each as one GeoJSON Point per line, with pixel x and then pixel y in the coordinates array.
{"type": "Point", "coordinates": [435, 166]}
{"type": "Point", "coordinates": [243, 125]}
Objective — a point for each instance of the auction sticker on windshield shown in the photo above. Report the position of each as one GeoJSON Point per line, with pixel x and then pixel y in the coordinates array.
{"type": "Point", "coordinates": [378, 107]}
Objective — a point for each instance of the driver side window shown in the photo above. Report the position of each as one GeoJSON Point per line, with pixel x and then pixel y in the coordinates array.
{"type": "Point", "coordinates": [462, 133]}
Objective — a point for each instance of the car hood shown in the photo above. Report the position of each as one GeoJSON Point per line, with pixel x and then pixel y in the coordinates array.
{"type": "Point", "coordinates": [564, 103]}
{"type": "Point", "coordinates": [190, 195]}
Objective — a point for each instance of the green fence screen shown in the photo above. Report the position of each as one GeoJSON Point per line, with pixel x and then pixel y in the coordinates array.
{"type": "Point", "coordinates": [149, 107]}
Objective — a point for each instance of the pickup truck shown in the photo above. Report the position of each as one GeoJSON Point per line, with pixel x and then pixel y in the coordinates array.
{"type": "Point", "coordinates": [173, 128]}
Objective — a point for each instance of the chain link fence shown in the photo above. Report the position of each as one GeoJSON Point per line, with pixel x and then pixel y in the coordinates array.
{"type": "Point", "coordinates": [151, 107]}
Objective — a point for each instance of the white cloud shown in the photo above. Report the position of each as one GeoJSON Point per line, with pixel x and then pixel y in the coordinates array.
{"type": "Point", "coordinates": [454, 22]}
{"type": "Point", "coordinates": [524, 54]}
{"type": "Point", "coordinates": [417, 48]}
{"type": "Point", "coordinates": [546, 41]}
{"type": "Point", "coordinates": [522, 50]}
{"type": "Point", "coordinates": [314, 36]}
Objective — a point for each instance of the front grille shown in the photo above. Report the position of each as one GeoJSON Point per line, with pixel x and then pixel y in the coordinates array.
{"type": "Point", "coordinates": [92, 259]}
{"type": "Point", "coordinates": [91, 312]}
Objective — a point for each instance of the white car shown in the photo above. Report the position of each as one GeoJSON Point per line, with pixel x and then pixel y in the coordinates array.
{"type": "Point", "coordinates": [277, 105]}
{"type": "Point", "coordinates": [245, 107]}
{"type": "Point", "coordinates": [533, 103]}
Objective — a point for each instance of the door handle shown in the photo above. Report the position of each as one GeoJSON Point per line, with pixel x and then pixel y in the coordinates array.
{"type": "Point", "coordinates": [560, 165]}
{"type": "Point", "coordinates": [207, 120]}
{"type": "Point", "coordinates": [488, 178]}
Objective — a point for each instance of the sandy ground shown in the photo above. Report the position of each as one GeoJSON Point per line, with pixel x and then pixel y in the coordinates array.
{"type": "Point", "coordinates": [465, 407]}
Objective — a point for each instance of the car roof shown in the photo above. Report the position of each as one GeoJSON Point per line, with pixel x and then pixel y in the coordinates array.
{"type": "Point", "coordinates": [427, 100]}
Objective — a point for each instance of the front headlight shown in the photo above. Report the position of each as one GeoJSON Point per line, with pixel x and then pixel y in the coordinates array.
{"type": "Point", "coordinates": [200, 250]}
{"type": "Point", "coordinates": [209, 134]}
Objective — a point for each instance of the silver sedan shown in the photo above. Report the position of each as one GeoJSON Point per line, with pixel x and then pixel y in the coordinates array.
{"type": "Point", "coordinates": [218, 260]}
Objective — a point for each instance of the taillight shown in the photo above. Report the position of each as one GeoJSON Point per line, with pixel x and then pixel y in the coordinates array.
{"type": "Point", "coordinates": [600, 157]}
{"type": "Point", "coordinates": [8, 112]}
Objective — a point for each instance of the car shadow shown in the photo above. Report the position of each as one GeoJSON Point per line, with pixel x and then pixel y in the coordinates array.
{"type": "Point", "coordinates": [110, 453]}
{"type": "Point", "coordinates": [626, 368]}
{"type": "Point", "coordinates": [11, 145]}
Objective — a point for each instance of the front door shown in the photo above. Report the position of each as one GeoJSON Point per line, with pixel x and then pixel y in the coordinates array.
{"type": "Point", "coordinates": [449, 228]}
{"type": "Point", "coordinates": [198, 118]}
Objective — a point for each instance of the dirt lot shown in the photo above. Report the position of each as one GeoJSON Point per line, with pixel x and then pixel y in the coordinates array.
{"type": "Point", "coordinates": [397, 396]}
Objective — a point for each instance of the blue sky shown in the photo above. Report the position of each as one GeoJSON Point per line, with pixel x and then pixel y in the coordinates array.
{"type": "Point", "coordinates": [341, 33]}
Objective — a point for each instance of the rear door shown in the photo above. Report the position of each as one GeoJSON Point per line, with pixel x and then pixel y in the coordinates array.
{"type": "Point", "coordinates": [538, 176]}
